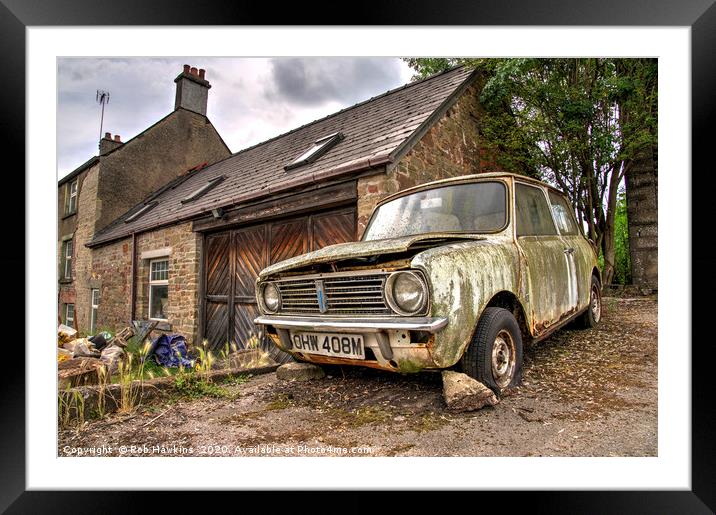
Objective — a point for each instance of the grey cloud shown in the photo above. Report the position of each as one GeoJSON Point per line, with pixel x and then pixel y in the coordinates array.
{"type": "Point", "coordinates": [251, 100]}
{"type": "Point", "coordinates": [313, 81]}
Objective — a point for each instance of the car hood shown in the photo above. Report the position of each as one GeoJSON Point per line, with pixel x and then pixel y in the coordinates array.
{"type": "Point", "coordinates": [358, 249]}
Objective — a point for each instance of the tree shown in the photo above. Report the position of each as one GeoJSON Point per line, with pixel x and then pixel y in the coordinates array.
{"type": "Point", "coordinates": [576, 123]}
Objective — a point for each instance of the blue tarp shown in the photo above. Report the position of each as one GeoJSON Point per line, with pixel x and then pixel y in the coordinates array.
{"type": "Point", "coordinates": [169, 350]}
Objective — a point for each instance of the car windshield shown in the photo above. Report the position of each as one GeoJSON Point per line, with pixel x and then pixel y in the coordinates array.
{"type": "Point", "coordinates": [472, 208]}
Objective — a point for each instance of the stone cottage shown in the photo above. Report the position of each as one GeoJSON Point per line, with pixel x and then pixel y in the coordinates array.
{"type": "Point", "coordinates": [121, 175]}
{"type": "Point", "coordinates": [188, 254]}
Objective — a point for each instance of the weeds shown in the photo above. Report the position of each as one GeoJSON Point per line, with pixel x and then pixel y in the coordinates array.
{"type": "Point", "coordinates": [194, 386]}
{"type": "Point", "coordinates": [129, 392]}
{"type": "Point", "coordinates": [103, 377]}
{"type": "Point", "coordinates": [70, 408]}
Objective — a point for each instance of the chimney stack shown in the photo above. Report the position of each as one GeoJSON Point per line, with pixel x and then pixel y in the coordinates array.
{"type": "Point", "coordinates": [108, 144]}
{"type": "Point", "coordinates": [192, 90]}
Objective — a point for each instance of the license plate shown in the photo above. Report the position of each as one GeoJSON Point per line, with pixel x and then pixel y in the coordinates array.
{"type": "Point", "coordinates": [338, 345]}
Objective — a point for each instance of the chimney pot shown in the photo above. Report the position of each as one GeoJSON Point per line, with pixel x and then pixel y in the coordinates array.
{"type": "Point", "coordinates": [108, 135]}
{"type": "Point", "coordinates": [192, 90]}
{"type": "Point", "coordinates": [117, 138]}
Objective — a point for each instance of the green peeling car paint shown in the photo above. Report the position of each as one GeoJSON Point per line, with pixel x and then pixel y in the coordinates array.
{"type": "Point", "coordinates": [460, 272]}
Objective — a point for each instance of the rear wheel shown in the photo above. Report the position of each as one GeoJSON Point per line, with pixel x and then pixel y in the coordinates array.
{"type": "Point", "coordinates": [593, 315]}
{"type": "Point", "coordinates": [494, 356]}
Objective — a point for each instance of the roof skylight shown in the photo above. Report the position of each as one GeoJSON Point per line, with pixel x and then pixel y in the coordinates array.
{"type": "Point", "coordinates": [319, 147]}
{"type": "Point", "coordinates": [145, 209]}
{"type": "Point", "coordinates": [200, 192]}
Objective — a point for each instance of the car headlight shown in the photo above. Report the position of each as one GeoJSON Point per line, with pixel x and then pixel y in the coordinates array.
{"type": "Point", "coordinates": [406, 293]}
{"type": "Point", "coordinates": [271, 297]}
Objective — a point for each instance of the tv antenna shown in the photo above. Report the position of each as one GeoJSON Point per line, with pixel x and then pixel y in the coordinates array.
{"type": "Point", "coordinates": [102, 99]}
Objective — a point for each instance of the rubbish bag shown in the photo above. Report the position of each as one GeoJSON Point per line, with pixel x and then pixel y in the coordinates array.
{"type": "Point", "coordinates": [67, 330]}
{"type": "Point", "coordinates": [169, 350]}
{"type": "Point", "coordinates": [81, 347]}
{"type": "Point", "coordinates": [100, 340]}
{"type": "Point", "coordinates": [112, 356]}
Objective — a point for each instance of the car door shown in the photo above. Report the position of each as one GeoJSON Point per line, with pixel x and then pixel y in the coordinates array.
{"type": "Point", "coordinates": [577, 249]}
{"type": "Point", "coordinates": [542, 250]}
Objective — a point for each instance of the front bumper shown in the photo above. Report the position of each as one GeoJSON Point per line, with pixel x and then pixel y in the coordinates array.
{"type": "Point", "coordinates": [368, 325]}
{"type": "Point", "coordinates": [388, 338]}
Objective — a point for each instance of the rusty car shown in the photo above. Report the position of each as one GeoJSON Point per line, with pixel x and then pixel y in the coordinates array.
{"type": "Point", "coordinates": [460, 272]}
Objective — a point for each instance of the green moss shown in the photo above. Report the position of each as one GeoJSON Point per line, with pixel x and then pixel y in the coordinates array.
{"type": "Point", "coordinates": [430, 422]}
{"type": "Point", "coordinates": [279, 402]}
{"type": "Point", "coordinates": [407, 366]}
{"type": "Point", "coordinates": [369, 415]}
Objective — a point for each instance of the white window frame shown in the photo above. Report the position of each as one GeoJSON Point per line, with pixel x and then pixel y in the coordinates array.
{"type": "Point", "coordinates": [316, 150]}
{"type": "Point", "coordinates": [157, 282]}
{"type": "Point", "coordinates": [68, 248]}
{"type": "Point", "coordinates": [69, 321]}
{"type": "Point", "coordinates": [94, 306]}
{"type": "Point", "coordinates": [71, 204]}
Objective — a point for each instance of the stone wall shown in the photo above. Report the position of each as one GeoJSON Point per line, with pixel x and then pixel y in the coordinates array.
{"type": "Point", "coordinates": [108, 189]}
{"type": "Point", "coordinates": [450, 148]}
{"type": "Point", "coordinates": [184, 261]}
{"type": "Point", "coordinates": [111, 273]}
{"type": "Point", "coordinates": [71, 292]}
{"type": "Point", "coordinates": [87, 202]}
{"type": "Point", "coordinates": [147, 162]}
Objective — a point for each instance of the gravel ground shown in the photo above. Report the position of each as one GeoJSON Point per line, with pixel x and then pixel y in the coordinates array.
{"type": "Point", "coordinates": [585, 393]}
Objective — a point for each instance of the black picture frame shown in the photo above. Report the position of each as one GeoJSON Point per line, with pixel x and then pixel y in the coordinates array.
{"type": "Point", "coordinates": [699, 15]}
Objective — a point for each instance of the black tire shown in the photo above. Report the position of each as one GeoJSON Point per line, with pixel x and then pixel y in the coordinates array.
{"type": "Point", "coordinates": [593, 315]}
{"type": "Point", "coordinates": [497, 335]}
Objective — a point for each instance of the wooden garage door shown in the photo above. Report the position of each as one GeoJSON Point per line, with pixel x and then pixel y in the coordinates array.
{"type": "Point", "coordinates": [235, 258]}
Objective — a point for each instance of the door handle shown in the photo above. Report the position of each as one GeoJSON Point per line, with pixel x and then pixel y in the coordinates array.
{"type": "Point", "coordinates": [569, 251]}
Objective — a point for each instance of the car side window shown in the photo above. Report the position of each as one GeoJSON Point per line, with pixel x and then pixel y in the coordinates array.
{"type": "Point", "coordinates": [533, 214]}
{"type": "Point", "coordinates": [563, 215]}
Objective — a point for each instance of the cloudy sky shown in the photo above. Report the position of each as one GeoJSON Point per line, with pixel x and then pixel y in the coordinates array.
{"type": "Point", "coordinates": [251, 99]}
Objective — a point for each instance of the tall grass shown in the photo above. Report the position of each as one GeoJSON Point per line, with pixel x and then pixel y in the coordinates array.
{"type": "Point", "coordinates": [70, 408]}
{"type": "Point", "coordinates": [103, 377]}
{"type": "Point", "coordinates": [130, 393]}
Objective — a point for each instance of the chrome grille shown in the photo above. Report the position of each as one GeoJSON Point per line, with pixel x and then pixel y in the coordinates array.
{"type": "Point", "coordinates": [345, 295]}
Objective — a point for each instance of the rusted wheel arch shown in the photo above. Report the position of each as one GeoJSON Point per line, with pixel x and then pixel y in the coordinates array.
{"type": "Point", "coordinates": [508, 300]}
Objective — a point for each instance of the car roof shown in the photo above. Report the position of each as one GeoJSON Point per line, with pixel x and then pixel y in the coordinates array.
{"type": "Point", "coordinates": [460, 179]}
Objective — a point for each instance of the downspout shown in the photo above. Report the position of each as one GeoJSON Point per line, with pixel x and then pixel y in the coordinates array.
{"type": "Point", "coordinates": [133, 280]}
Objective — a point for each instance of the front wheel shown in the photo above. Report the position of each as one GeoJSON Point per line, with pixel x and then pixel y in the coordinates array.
{"type": "Point", "coordinates": [593, 315]}
{"type": "Point", "coordinates": [494, 356]}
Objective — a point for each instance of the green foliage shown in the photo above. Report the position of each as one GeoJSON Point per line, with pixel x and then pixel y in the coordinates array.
{"type": "Point", "coordinates": [622, 262]}
{"type": "Point", "coordinates": [578, 123]}
{"type": "Point", "coordinates": [195, 385]}
{"type": "Point", "coordinates": [426, 66]}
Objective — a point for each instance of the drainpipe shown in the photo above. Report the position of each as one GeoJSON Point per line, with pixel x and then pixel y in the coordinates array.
{"type": "Point", "coordinates": [133, 280]}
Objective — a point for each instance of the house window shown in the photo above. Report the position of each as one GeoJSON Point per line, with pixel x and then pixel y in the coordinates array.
{"type": "Point", "coordinates": [71, 198]}
{"type": "Point", "coordinates": [319, 147]}
{"type": "Point", "coordinates": [158, 289]}
{"type": "Point", "coordinates": [70, 315]}
{"type": "Point", "coordinates": [67, 259]}
{"type": "Point", "coordinates": [94, 305]}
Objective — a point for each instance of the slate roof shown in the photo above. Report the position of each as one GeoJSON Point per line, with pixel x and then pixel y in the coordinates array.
{"type": "Point", "coordinates": [374, 132]}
